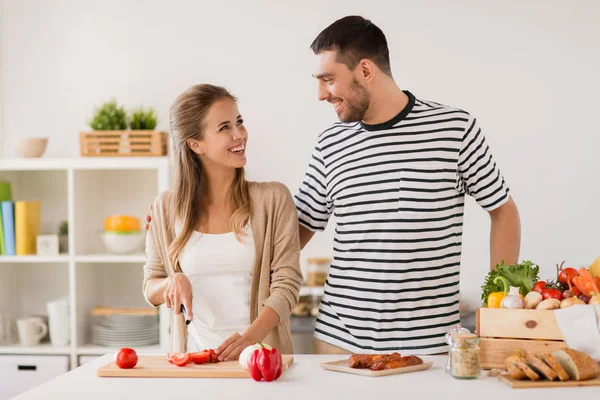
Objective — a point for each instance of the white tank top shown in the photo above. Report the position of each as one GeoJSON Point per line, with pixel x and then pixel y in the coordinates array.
{"type": "Point", "coordinates": [220, 270]}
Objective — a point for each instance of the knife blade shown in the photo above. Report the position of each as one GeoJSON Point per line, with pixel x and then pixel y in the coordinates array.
{"type": "Point", "coordinates": [193, 332]}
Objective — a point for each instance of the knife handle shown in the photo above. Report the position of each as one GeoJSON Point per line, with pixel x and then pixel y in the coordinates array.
{"type": "Point", "coordinates": [187, 321]}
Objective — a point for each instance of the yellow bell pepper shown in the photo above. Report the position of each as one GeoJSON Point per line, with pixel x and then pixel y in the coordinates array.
{"type": "Point", "coordinates": [495, 299]}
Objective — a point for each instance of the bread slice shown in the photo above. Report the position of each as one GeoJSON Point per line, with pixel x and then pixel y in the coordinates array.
{"type": "Point", "coordinates": [531, 374]}
{"type": "Point", "coordinates": [513, 370]}
{"type": "Point", "coordinates": [540, 367]}
{"type": "Point", "coordinates": [555, 365]}
{"type": "Point", "coordinates": [577, 364]}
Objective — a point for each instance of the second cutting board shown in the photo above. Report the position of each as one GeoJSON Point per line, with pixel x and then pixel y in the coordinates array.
{"type": "Point", "coordinates": [159, 367]}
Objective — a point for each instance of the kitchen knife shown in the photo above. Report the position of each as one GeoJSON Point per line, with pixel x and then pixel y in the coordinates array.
{"type": "Point", "coordinates": [193, 332]}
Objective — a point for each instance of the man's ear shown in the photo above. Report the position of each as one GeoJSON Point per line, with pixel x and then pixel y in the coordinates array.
{"type": "Point", "coordinates": [365, 70]}
{"type": "Point", "coordinates": [195, 146]}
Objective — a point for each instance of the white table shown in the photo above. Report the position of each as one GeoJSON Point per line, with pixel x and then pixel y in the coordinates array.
{"type": "Point", "coordinates": [305, 380]}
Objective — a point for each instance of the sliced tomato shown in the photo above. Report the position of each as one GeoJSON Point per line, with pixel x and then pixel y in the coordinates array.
{"type": "Point", "coordinates": [170, 357]}
{"type": "Point", "coordinates": [201, 357]}
{"type": "Point", "coordinates": [181, 359]}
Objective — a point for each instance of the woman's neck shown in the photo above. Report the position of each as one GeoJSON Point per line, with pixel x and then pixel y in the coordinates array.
{"type": "Point", "coordinates": [219, 183]}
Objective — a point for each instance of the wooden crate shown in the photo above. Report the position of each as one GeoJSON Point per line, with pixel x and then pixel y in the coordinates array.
{"type": "Point", "coordinates": [503, 331]}
{"type": "Point", "coordinates": [123, 143]}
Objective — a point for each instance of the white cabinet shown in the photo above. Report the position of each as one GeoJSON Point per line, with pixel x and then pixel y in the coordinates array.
{"type": "Point", "coordinates": [23, 372]}
{"type": "Point", "coordinates": [83, 191]}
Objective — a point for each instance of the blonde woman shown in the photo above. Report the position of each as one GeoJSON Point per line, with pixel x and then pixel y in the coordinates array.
{"type": "Point", "coordinates": [224, 248]}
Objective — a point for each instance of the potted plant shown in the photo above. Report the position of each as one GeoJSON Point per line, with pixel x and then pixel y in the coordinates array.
{"type": "Point", "coordinates": [142, 119]}
{"type": "Point", "coordinates": [115, 133]}
{"type": "Point", "coordinates": [109, 117]}
{"type": "Point", "coordinates": [63, 237]}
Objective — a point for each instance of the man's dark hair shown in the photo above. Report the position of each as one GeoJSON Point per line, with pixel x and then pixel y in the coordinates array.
{"type": "Point", "coordinates": [354, 38]}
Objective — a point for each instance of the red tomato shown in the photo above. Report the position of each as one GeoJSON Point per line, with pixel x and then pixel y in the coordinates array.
{"type": "Point", "coordinates": [181, 359]}
{"type": "Point", "coordinates": [539, 287]}
{"type": "Point", "coordinates": [126, 358]}
{"type": "Point", "coordinates": [201, 357]}
{"type": "Point", "coordinates": [552, 294]}
{"type": "Point", "coordinates": [576, 292]}
{"type": "Point", "coordinates": [566, 276]}
{"type": "Point", "coordinates": [213, 356]}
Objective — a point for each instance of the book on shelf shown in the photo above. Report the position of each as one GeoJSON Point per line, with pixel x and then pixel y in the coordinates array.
{"type": "Point", "coordinates": [8, 228]}
{"type": "Point", "coordinates": [27, 226]}
{"type": "Point", "coordinates": [5, 195]}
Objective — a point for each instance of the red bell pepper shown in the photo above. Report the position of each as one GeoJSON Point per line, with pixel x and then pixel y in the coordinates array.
{"type": "Point", "coordinates": [265, 364]}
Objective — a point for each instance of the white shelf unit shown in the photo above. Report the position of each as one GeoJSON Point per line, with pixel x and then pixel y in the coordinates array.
{"type": "Point", "coordinates": [83, 191]}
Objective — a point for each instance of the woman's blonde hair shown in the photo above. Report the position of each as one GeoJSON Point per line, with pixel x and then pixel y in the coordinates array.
{"type": "Point", "coordinates": [187, 116]}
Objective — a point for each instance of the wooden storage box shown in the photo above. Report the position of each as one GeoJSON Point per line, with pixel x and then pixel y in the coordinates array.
{"type": "Point", "coordinates": [503, 331]}
{"type": "Point", "coordinates": [123, 143]}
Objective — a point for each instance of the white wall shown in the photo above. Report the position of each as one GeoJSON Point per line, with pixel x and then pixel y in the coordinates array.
{"type": "Point", "coordinates": [527, 69]}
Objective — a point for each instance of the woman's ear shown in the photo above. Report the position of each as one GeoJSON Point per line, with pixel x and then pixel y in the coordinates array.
{"type": "Point", "coordinates": [195, 146]}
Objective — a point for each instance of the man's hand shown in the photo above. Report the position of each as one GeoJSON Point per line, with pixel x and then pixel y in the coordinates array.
{"type": "Point", "coordinates": [148, 219]}
{"type": "Point", "coordinates": [231, 348]}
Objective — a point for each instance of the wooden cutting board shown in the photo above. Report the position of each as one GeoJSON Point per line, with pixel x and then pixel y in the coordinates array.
{"type": "Point", "coordinates": [159, 367]}
{"type": "Point", "coordinates": [527, 384]}
{"type": "Point", "coordinates": [342, 366]}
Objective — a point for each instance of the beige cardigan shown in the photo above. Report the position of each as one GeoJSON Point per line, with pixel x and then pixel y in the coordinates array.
{"type": "Point", "coordinates": [276, 279]}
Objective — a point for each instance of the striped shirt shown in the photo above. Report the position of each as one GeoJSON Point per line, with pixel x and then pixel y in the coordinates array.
{"type": "Point", "coordinates": [397, 192]}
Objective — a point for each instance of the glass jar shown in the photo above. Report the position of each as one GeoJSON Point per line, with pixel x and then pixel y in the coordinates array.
{"type": "Point", "coordinates": [317, 270]}
{"type": "Point", "coordinates": [454, 331]}
{"type": "Point", "coordinates": [465, 356]}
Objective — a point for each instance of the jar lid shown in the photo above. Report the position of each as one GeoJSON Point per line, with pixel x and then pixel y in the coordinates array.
{"type": "Point", "coordinates": [464, 336]}
{"type": "Point", "coordinates": [456, 330]}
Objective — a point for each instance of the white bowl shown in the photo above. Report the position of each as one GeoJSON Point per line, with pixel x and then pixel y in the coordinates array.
{"type": "Point", "coordinates": [123, 243]}
{"type": "Point", "coordinates": [31, 146]}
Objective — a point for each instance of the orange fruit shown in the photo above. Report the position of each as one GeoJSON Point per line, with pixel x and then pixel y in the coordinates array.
{"type": "Point", "coordinates": [119, 223]}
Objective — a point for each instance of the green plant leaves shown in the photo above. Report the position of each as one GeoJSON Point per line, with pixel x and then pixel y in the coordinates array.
{"type": "Point", "coordinates": [111, 117]}
{"type": "Point", "coordinates": [141, 119]}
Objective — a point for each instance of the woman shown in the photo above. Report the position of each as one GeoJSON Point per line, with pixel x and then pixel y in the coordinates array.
{"type": "Point", "coordinates": [224, 248]}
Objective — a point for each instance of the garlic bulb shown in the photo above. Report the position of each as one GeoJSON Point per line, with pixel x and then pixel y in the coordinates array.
{"type": "Point", "coordinates": [513, 299]}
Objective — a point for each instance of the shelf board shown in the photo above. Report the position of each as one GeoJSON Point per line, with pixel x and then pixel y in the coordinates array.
{"type": "Point", "coordinates": [311, 291]}
{"type": "Point", "coordinates": [111, 258]}
{"type": "Point", "coordinates": [44, 348]}
{"type": "Point", "coordinates": [35, 259]}
{"type": "Point", "coordinates": [82, 163]}
{"type": "Point", "coordinates": [91, 258]}
{"type": "Point", "coordinates": [92, 350]}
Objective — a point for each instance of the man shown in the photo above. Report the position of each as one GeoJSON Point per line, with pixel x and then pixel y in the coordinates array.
{"type": "Point", "coordinates": [394, 172]}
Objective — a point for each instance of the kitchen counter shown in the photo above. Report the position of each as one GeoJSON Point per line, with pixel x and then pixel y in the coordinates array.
{"type": "Point", "coordinates": [304, 380]}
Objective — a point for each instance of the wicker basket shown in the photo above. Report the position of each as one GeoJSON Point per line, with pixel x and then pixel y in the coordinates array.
{"type": "Point", "coordinates": [123, 143]}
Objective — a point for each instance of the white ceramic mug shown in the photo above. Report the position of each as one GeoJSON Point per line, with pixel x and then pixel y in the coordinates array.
{"type": "Point", "coordinates": [58, 322]}
{"type": "Point", "coordinates": [31, 331]}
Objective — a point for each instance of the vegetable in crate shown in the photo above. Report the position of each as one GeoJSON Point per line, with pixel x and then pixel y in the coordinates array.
{"type": "Point", "coordinates": [495, 299]}
{"type": "Point", "coordinates": [513, 299]}
{"type": "Point", "coordinates": [522, 275]}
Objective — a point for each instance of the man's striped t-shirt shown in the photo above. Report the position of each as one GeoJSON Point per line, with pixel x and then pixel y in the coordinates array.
{"type": "Point", "coordinates": [397, 192]}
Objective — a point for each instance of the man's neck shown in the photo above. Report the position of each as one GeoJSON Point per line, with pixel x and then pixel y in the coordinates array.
{"type": "Point", "coordinates": [386, 102]}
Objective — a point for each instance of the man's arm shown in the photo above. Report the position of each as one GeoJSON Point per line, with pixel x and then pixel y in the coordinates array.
{"type": "Point", "coordinates": [305, 236]}
{"type": "Point", "coordinates": [505, 235]}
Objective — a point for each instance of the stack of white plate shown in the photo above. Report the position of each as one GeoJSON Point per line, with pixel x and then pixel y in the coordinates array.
{"type": "Point", "coordinates": [126, 330]}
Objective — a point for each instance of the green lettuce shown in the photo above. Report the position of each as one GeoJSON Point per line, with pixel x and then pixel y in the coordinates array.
{"type": "Point", "coordinates": [523, 275]}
